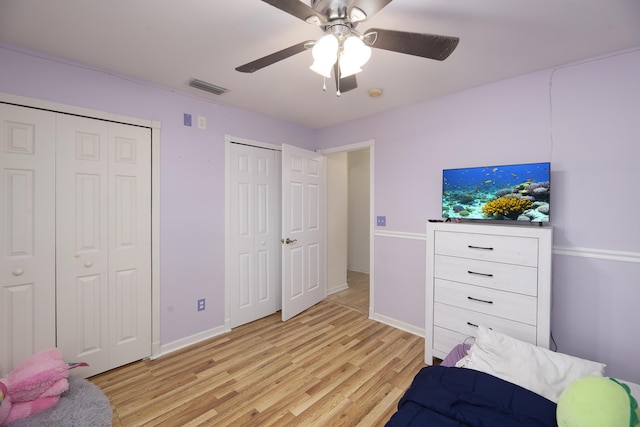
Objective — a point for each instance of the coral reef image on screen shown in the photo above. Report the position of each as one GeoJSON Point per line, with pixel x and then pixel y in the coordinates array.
{"type": "Point", "coordinates": [512, 192]}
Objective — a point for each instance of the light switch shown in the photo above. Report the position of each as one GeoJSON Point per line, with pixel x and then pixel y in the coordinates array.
{"type": "Point", "coordinates": [202, 122]}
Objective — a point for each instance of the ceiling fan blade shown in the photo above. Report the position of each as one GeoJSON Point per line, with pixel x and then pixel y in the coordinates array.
{"type": "Point", "coordinates": [297, 9]}
{"type": "Point", "coordinates": [370, 7]}
{"type": "Point", "coordinates": [274, 57]}
{"type": "Point", "coordinates": [432, 46]}
{"type": "Point", "coordinates": [344, 84]}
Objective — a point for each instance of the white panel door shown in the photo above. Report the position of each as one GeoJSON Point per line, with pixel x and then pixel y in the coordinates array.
{"type": "Point", "coordinates": [103, 242]}
{"type": "Point", "coordinates": [82, 243]}
{"type": "Point", "coordinates": [27, 234]}
{"type": "Point", "coordinates": [129, 243]}
{"type": "Point", "coordinates": [254, 199]}
{"type": "Point", "coordinates": [303, 224]}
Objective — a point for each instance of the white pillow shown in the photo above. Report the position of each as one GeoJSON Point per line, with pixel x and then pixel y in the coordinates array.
{"type": "Point", "coordinates": [535, 368]}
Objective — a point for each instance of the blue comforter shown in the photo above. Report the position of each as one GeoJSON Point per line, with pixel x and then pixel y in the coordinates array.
{"type": "Point", "coordinates": [454, 397]}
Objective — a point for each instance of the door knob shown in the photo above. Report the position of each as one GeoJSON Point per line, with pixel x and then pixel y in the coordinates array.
{"type": "Point", "coordinates": [288, 240]}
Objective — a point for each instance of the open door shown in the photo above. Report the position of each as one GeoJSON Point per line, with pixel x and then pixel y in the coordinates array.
{"type": "Point", "coordinates": [303, 223]}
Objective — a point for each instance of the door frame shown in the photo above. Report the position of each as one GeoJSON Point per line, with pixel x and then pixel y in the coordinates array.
{"type": "Point", "coordinates": [228, 140]}
{"type": "Point", "coordinates": [369, 144]}
{"type": "Point", "coordinates": [155, 127]}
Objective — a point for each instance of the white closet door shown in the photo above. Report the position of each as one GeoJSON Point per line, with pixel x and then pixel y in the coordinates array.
{"type": "Point", "coordinates": [103, 242]}
{"type": "Point", "coordinates": [129, 243]}
{"type": "Point", "coordinates": [27, 234]}
{"type": "Point", "coordinates": [82, 243]}
{"type": "Point", "coordinates": [255, 240]}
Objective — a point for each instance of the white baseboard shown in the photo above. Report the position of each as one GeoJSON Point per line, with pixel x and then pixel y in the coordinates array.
{"type": "Point", "coordinates": [338, 288]}
{"type": "Point", "coordinates": [190, 340]}
{"type": "Point", "coordinates": [398, 324]}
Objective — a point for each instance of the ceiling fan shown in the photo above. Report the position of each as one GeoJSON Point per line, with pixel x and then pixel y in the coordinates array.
{"type": "Point", "coordinates": [343, 50]}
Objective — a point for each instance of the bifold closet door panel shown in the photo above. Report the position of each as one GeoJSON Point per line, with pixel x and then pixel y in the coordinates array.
{"type": "Point", "coordinates": [104, 244]}
{"type": "Point", "coordinates": [82, 247]}
{"type": "Point", "coordinates": [27, 234]}
{"type": "Point", "coordinates": [129, 243]}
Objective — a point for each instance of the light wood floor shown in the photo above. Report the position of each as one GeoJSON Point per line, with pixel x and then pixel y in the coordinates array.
{"type": "Point", "coordinates": [329, 366]}
{"type": "Point", "coordinates": [357, 296]}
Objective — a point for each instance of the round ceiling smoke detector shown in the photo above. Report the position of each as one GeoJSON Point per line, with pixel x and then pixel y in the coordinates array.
{"type": "Point", "coordinates": [374, 93]}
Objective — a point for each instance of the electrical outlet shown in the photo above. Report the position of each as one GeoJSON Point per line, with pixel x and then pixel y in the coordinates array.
{"type": "Point", "coordinates": [201, 304]}
{"type": "Point", "coordinates": [381, 221]}
{"type": "Point", "coordinates": [202, 122]}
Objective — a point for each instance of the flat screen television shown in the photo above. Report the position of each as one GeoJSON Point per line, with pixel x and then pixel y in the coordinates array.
{"type": "Point", "coordinates": [506, 193]}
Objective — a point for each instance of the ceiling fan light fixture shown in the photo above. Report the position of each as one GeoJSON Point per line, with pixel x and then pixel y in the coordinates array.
{"type": "Point", "coordinates": [356, 51]}
{"type": "Point", "coordinates": [325, 54]}
{"type": "Point", "coordinates": [354, 55]}
{"type": "Point", "coordinates": [348, 68]}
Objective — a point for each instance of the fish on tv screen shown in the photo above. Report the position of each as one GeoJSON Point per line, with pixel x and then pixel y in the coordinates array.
{"type": "Point", "coordinates": [509, 193]}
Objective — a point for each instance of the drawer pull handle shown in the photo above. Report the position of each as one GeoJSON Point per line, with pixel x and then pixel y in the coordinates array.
{"type": "Point", "coordinates": [480, 300]}
{"type": "Point", "coordinates": [475, 326]}
{"type": "Point", "coordinates": [480, 247]}
{"type": "Point", "coordinates": [480, 274]}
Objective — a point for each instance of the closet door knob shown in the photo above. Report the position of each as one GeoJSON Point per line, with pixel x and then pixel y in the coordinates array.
{"type": "Point", "coordinates": [18, 272]}
{"type": "Point", "coordinates": [88, 264]}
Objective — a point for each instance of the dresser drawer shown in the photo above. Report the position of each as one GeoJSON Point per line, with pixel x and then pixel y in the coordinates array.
{"type": "Point", "coordinates": [466, 322]}
{"type": "Point", "coordinates": [495, 275]}
{"type": "Point", "coordinates": [488, 247]}
{"type": "Point", "coordinates": [517, 307]}
{"type": "Point", "coordinates": [445, 339]}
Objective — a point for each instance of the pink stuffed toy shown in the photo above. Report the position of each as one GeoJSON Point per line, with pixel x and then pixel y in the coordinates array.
{"type": "Point", "coordinates": [34, 386]}
{"type": "Point", "coordinates": [5, 403]}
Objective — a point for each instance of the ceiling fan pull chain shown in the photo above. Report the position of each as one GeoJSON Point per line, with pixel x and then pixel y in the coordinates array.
{"type": "Point", "coordinates": [324, 83]}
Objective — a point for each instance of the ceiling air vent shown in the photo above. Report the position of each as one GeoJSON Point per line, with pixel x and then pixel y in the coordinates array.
{"type": "Point", "coordinates": [207, 87]}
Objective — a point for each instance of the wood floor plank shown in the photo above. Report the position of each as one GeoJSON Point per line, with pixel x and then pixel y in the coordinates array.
{"type": "Point", "coordinates": [329, 366]}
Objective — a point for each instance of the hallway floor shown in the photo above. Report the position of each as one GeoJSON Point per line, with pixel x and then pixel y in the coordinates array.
{"type": "Point", "coordinates": [357, 296]}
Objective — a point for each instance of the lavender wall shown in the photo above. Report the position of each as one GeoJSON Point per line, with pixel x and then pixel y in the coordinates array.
{"type": "Point", "coordinates": [192, 171]}
{"type": "Point", "coordinates": [584, 119]}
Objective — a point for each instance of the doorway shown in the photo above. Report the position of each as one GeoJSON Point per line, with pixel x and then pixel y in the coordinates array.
{"type": "Point", "coordinates": [254, 274]}
{"type": "Point", "coordinates": [350, 226]}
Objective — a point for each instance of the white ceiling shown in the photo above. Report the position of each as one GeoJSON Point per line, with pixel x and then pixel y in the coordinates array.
{"type": "Point", "coordinates": [169, 42]}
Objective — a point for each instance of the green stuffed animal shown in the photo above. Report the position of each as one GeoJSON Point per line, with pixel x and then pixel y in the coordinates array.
{"type": "Point", "coordinates": [597, 402]}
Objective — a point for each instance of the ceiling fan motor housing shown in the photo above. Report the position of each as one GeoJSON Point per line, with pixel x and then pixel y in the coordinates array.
{"type": "Point", "coordinates": [332, 9]}
{"type": "Point", "coordinates": [338, 28]}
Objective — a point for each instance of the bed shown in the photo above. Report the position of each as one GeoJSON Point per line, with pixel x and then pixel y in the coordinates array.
{"type": "Point", "coordinates": [497, 381]}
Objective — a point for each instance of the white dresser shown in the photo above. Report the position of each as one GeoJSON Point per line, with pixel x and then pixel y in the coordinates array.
{"type": "Point", "coordinates": [498, 276]}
